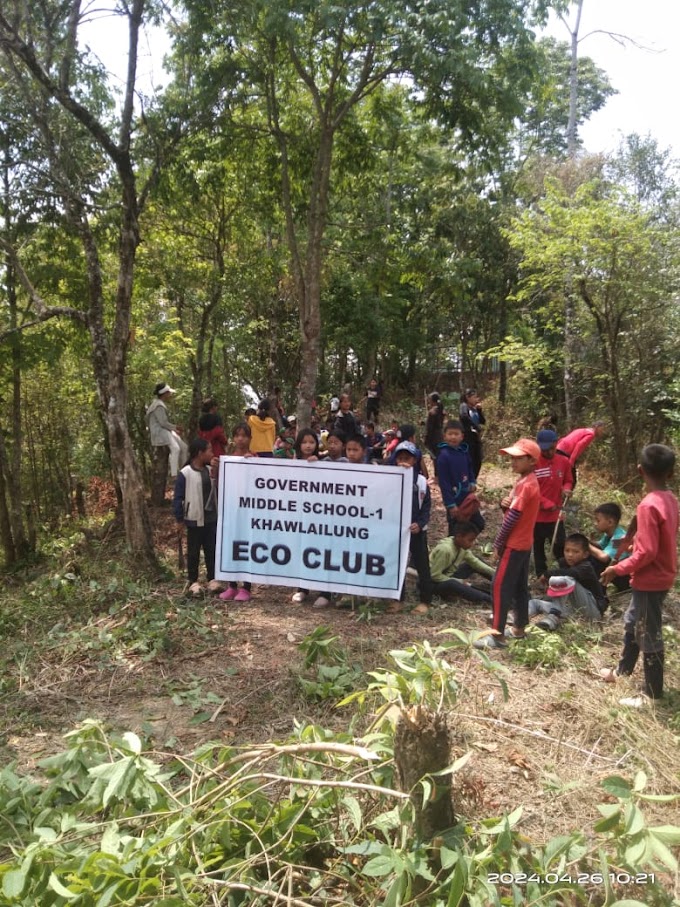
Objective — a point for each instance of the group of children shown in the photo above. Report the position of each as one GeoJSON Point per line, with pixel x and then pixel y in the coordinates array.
{"type": "Point", "coordinates": [647, 555]}
{"type": "Point", "coordinates": [533, 514]}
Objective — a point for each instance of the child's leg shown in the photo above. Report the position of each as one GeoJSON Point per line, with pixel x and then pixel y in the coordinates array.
{"type": "Point", "coordinates": [209, 545]}
{"type": "Point", "coordinates": [538, 606]}
{"type": "Point", "coordinates": [583, 602]}
{"type": "Point", "coordinates": [193, 552]}
{"type": "Point", "coordinates": [454, 587]}
{"type": "Point", "coordinates": [542, 533]}
{"type": "Point", "coordinates": [503, 588]}
{"type": "Point", "coordinates": [421, 562]}
{"type": "Point", "coordinates": [522, 590]}
{"type": "Point", "coordinates": [631, 649]}
{"type": "Point", "coordinates": [648, 631]}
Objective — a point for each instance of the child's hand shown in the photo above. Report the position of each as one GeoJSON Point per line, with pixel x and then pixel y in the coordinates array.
{"type": "Point", "coordinates": [415, 528]}
{"type": "Point", "coordinates": [607, 575]}
{"type": "Point", "coordinates": [506, 502]}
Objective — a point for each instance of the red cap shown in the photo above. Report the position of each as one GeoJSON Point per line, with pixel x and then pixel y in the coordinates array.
{"type": "Point", "coordinates": [522, 448]}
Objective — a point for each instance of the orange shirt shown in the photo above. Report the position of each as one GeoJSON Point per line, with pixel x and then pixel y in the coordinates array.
{"type": "Point", "coordinates": [526, 497]}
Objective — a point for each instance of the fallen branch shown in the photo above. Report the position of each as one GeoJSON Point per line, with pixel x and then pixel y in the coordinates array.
{"type": "Point", "coordinates": [540, 734]}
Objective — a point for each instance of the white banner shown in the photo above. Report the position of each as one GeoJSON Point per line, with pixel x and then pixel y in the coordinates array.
{"type": "Point", "coordinates": [328, 527]}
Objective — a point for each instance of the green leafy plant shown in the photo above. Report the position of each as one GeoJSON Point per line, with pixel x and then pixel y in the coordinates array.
{"type": "Point", "coordinates": [327, 672]}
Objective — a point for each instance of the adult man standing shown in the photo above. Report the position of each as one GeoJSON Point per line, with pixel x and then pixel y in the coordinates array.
{"type": "Point", "coordinates": [165, 440]}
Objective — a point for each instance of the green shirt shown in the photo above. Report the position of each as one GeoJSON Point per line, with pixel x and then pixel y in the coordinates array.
{"type": "Point", "coordinates": [446, 557]}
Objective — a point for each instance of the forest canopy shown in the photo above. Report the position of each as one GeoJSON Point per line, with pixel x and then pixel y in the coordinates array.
{"type": "Point", "coordinates": [318, 194]}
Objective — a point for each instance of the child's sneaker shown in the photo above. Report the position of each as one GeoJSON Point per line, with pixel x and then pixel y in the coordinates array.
{"type": "Point", "coordinates": [322, 601]}
{"type": "Point", "coordinates": [228, 594]}
{"type": "Point", "coordinates": [609, 675]}
{"type": "Point", "coordinates": [636, 702]}
{"type": "Point", "coordinates": [242, 596]}
{"type": "Point", "coordinates": [214, 585]}
{"type": "Point", "coordinates": [299, 597]}
{"type": "Point", "coordinates": [549, 622]}
{"type": "Point", "coordinates": [490, 641]}
{"type": "Point", "coordinates": [195, 589]}
{"type": "Point", "coordinates": [509, 634]}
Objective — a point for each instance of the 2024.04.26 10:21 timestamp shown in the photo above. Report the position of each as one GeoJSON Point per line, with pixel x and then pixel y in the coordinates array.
{"type": "Point", "coordinates": [577, 878]}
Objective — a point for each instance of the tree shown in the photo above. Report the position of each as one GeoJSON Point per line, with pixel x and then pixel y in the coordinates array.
{"type": "Point", "coordinates": [625, 274]}
{"type": "Point", "coordinates": [90, 158]}
{"type": "Point", "coordinates": [313, 63]}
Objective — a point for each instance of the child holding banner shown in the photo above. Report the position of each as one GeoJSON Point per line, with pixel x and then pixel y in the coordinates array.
{"type": "Point", "coordinates": [335, 444]}
{"type": "Point", "coordinates": [195, 507]}
{"type": "Point", "coordinates": [306, 448]}
{"type": "Point", "coordinates": [240, 438]}
{"type": "Point", "coordinates": [406, 456]}
{"type": "Point", "coordinates": [355, 449]}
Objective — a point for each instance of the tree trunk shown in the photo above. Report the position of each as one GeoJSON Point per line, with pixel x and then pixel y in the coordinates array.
{"type": "Point", "coordinates": [572, 137]}
{"type": "Point", "coordinates": [6, 536]}
{"type": "Point", "coordinates": [422, 748]}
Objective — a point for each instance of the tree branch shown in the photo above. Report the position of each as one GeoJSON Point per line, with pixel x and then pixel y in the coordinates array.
{"type": "Point", "coordinates": [49, 313]}
{"type": "Point", "coordinates": [15, 46]}
{"type": "Point", "coordinates": [44, 311]}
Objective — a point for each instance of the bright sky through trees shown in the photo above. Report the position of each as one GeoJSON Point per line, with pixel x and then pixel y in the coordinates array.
{"type": "Point", "coordinates": [645, 76]}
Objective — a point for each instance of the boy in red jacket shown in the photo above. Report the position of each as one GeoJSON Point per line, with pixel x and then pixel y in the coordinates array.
{"type": "Point", "coordinates": [652, 567]}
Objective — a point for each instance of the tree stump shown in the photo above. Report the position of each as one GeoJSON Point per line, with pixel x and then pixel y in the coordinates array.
{"type": "Point", "coordinates": [422, 747]}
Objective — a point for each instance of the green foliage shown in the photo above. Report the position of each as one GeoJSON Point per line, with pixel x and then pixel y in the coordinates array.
{"type": "Point", "coordinates": [327, 673]}
{"type": "Point", "coordinates": [542, 649]}
{"type": "Point", "coordinates": [110, 823]}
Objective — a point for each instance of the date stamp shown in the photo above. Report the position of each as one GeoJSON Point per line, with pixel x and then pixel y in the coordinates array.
{"type": "Point", "coordinates": [569, 878]}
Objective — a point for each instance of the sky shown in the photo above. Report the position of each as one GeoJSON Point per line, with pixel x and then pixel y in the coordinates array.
{"type": "Point", "coordinates": [646, 73]}
{"type": "Point", "coordinates": [647, 77]}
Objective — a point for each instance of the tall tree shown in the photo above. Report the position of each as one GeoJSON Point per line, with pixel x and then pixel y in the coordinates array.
{"type": "Point", "coordinates": [87, 150]}
{"type": "Point", "coordinates": [314, 62]}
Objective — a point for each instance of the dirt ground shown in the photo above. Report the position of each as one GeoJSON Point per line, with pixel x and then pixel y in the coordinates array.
{"type": "Point", "coordinates": [235, 678]}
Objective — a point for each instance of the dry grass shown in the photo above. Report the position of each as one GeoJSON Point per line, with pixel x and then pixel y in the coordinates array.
{"type": "Point", "coordinates": [547, 747]}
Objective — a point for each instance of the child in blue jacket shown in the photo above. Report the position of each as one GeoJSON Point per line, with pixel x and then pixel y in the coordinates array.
{"type": "Point", "coordinates": [456, 475]}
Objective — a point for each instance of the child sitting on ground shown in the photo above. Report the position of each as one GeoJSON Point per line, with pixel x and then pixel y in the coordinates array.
{"type": "Point", "coordinates": [575, 583]}
{"type": "Point", "coordinates": [605, 551]}
{"type": "Point", "coordinates": [652, 566]}
{"type": "Point", "coordinates": [452, 561]}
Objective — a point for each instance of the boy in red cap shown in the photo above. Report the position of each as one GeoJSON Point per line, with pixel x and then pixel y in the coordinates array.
{"type": "Point", "coordinates": [512, 547]}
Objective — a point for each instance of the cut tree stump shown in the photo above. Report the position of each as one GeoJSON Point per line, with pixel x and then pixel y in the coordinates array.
{"type": "Point", "coordinates": [422, 747]}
